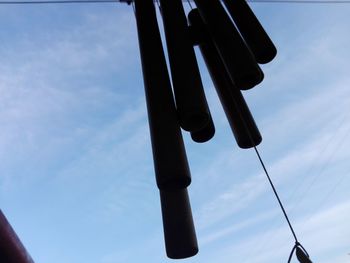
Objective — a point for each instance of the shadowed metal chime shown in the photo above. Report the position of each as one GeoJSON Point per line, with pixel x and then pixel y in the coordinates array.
{"type": "Point", "coordinates": [239, 117]}
{"type": "Point", "coordinates": [232, 59]}
{"type": "Point", "coordinates": [236, 56]}
{"type": "Point", "coordinates": [190, 100]}
{"type": "Point", "coordinates": [170, 161]}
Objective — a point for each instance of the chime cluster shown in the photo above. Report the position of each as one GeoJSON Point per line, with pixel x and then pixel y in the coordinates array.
{"type": "Point", "coordinates": [232, 45]}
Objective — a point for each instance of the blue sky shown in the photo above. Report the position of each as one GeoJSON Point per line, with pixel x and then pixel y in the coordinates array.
{"type": "Point", "coordinates": [76, 172]}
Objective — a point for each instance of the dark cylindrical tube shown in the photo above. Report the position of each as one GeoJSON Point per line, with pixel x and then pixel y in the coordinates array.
{"type": "Point", "coordinates": [238, 59]}
{"type": "Point", "coordinates": [11, 248]}
{"type": "Point", "coordinates": [205, 134]}
{"type": "Point", "coordinates": [196, 35]}
{"type": "Point", "coordinates": [179, 232]}
{"type": "Point", "coordinates": [237, 112]}
{"type": "Point", "coordinates": [252, 31]}
{"type": "Point", "coordinates": [187, 85]}
{"type": "Point", "coordinates": [170, 161]}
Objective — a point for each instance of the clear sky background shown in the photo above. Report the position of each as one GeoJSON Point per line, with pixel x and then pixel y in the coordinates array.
{"type": "Point", "coordinates": [76, 172]}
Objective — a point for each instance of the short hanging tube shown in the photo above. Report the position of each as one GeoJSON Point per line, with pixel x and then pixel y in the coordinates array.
{"type": "Point", "coordinates": [237, 112]}
{"type": "Point", "coordinates": [170, 161]}
{"type": "Point", "coordinates": [252, 31]}
{"type": "Point", "coordinates": [179, 232]}
{"type": "Point", "coordinates": [190, 99]}
{"type": "Point", "coordinates": [205, 134]}
{"type": "Point", "coordinates": [238, 59]}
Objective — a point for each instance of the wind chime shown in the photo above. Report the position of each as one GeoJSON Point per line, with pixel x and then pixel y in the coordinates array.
{"type": "Point", "coordinates": [232, 45]}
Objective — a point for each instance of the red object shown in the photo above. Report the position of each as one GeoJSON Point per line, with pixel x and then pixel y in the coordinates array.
{"type": "Point", "coordinates": [11, 248]}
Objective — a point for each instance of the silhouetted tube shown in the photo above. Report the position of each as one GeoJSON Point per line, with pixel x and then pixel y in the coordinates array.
{"type": "Point", "coordinates": [205, 134]}
{"type": "Point", "coordinates": [238, 59]}
{"type": "Point", "coordinates": [237, 112]}
{"type": "Point", "coordinates": [11, 248]}
{"type": "Point", "coordinates": [196, 36]}
{"type": "Point", "coordinates": [170, 161]}
{"type": "Point", "coordinates": [188, 89]}
{"type": "Point", "coordinates": [179, 233]}
{"type": "Point", "coordinates": [251, 30]}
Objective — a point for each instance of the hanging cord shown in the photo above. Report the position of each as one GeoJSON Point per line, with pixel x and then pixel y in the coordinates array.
{"type": "Point", "coordinates": [291, 253]}
{"type": "Point", "coordinates": [189, 3]}
{"type": "Point", "coordinates": [273, 187]}
{"type": "Point", "coordinates": [264, 167]}
{"type": "Point", "coordinates": [297, 244]}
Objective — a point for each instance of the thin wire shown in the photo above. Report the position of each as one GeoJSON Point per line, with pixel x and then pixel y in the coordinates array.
{"type": "Point", "coordinates": [124, 1]}
{"type": "Point", "coordinates": [297, 202]}
{"type": "Point", "coordinates": [276, 194]}
{"type": "Point", "coordinates": [263, 166]}
{"type": "Point", "coordinates": [291, 253]}
{"type": "Point", "coordinates": [189, 3]}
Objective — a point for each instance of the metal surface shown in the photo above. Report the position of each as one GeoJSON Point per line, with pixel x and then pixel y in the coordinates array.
{"type": "Point", "coordinates": [179, 233]}
{"type": "Point", "coordinates": [252, 31]}
{"type": "Point", "coordinates": [190, 100]}
{"type": "Point", "coordinates": [238, 59]}
{"type": "Point", "coordinates": [237, 112]}
{"type": "Point", "coordinates": [205, 134]}
{"type": "Point", "coordinates": [170, 161]}
{"type": "Point", "coordinates": [11, 248]}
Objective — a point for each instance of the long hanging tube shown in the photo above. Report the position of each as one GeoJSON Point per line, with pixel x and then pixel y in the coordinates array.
{"type": "Point", "coordinates": [238, 59]}
{"type": "Point", "coordinates": [190, 99]}
{"type": "Point", "coordinates": [11, 248]}
{"type": "Point", "coordinates": [170, 161]}
{"type": "Point", "coordinates": [179, 232]}
{"type": "Point", "coordinates": [252, 31]}
{"type": "Point", "coordinates": [237, 112]}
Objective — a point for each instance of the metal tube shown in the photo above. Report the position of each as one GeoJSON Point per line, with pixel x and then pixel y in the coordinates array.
{"type": "Point", "coordinates": [11, 248]}
{"type": "Point", "coordinates": [238, 59]}
{"type": "Point", "coordinates": [252, 31]}
{"type": "Point", "coordinates": [237, 112]}
{"type": "Point", "coordinates": [205, 134]}
{"type": "Point", "coordinates": [188, 89]}
{"type": "Point", "coordinates": [170, 161]}
{"type": "Point", "coordinates": [179, 232]}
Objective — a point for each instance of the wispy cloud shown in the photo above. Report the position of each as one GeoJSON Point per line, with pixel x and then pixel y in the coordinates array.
{"type": "Point", "coordinates": [74, 138]}
{"type": "Point", "coordinates": [325, 236]}
{"type": "Point", "coordinates": [51, 90]}
{"type": "Point", "coordinates": [284, 167]}
{"type": "Point", "coordinates": [302, 139]}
